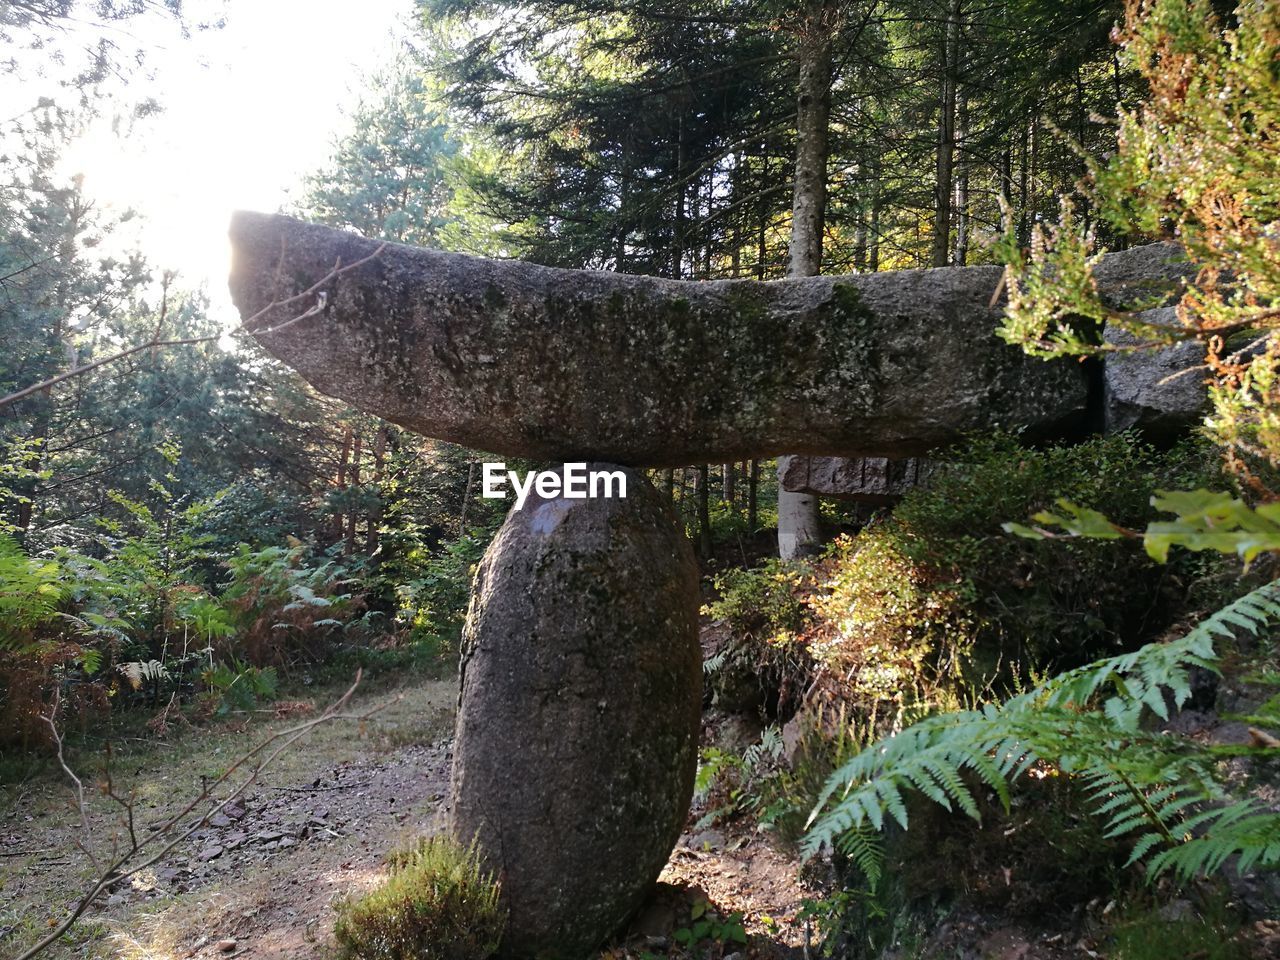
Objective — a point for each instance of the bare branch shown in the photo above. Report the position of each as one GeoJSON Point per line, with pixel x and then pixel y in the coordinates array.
{"type": "Point", "coordinates": [258, 759]}
{"type": "Point", "coordinates": [337, 271]}
{"type": "Point", "coordinates": [246, 327]}
{"type": "Point", "coordinates": [86, 367]}
{"type": "Point", "coordinates": [86, 840]}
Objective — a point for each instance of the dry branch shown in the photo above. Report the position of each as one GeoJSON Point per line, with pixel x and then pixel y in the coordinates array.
{"type": "Point", "coordinates": [86, 367]}
{"type": "Point", "coordinates": [163, 838]}
{"type": "Point", "coordinates": [248, 326]}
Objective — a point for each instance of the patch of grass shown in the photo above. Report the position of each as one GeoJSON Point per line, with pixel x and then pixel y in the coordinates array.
{"type": "Point", "coordinates": [393, 735]}
{"type": "Point", "coordinates": [384, 668]}
{"type": "Point", "coordinates": [162, 776]}
{"type": "Point", "coordinates": [437, 904]}
{"type": "Point", "coordinates": [1209, 933]}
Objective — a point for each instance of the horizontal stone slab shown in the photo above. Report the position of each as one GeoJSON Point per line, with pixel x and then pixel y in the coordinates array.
{"type": "Point", "coordinates": [875, 480]}
{"type": "Point", "coordinates": [1159, 392]}
{"type": "Point", "coordinates": [524, 360]}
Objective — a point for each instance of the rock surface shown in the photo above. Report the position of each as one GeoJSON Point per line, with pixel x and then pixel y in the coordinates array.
{"type": "Point", "coordinates": [524, 360]}
{"type": "Point", "coordinates": [1150, 274]}
{"type": "Point", "coordinates": [576, 742]}
{"type": "Point", "coordinates": [1159, 392]}
{"type": "Point", "coordinates": [875, 480]}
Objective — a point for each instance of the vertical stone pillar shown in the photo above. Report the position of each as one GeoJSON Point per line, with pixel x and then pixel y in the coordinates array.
{"type": "Point", "coordinates": [577, 735]}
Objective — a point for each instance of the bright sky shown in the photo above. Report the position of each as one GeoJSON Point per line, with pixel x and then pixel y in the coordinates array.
{"type": "Point", "coordinates": [248, 110]}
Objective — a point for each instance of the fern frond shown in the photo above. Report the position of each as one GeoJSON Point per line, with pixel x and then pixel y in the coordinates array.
{"type": "Point", "coordinates": [1087, 721]}
{"type": "Point", "coordinates": [864, 848]}
{"type": "Point", "coordinates": [1245, 829]}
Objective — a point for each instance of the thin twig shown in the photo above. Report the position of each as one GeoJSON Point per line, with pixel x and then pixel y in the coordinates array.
{"type": "Point", "coordinates": [86, 367]}
{"type": "Point", "coordinates": [337, 271]}
{"type": "Point", "coordinates": [246, 327]}
{"type": "Point", "coordinates": [86, 841]}
{"type": "Point", "coordinates": [121, 868]}
{"type": "Point", "coordinates": [1178, 374]}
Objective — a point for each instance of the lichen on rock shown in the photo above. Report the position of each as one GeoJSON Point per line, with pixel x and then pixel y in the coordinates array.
{"type": "Point", "coordinates": [524, 360]}
{"type": "Point", "coordinates": [576, 740]}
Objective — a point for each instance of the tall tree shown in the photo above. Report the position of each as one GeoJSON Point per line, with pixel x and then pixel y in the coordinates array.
{"type": "Point", "coordinates": [799, 526]}
{"type": "Point", "coordinates": [388, 175]}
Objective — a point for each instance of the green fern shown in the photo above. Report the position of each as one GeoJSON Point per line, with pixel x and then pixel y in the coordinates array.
{"type": "Point", "coordinates": [31, 593]}
{"type": "Point", "coordinates": [768, 748]}
{"type": "Point", "coordinates": [1245, 829]}
{"type": "Point", "coordinates": [863, 847]}
{"type": "Point", "coordinates": [1158, 790]}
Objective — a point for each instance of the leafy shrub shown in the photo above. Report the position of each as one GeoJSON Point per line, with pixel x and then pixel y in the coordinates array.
{"type": "Point", "coordinates": [1050, 606]}
{"type": "Point", "coordinates": [763, 602]}
{"type": "Point", "coordinates": [437, 904]}
{"type": "Point", "coordinates": [433, 602]}
{"type": "Point", "coordinates": [935, 604]}
{"type": "Point", "coordinates": [285, 609]}
{"type": "Point", "coordinates": [765, 659]}
{"type": "Point", "coordinates": [889, 633]}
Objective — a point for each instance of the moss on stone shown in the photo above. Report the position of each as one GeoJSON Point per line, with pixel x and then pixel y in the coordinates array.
{"type": "Point", "coordinates": [854, 356]}
{"type": "Point", "coordinates": [494, 299]}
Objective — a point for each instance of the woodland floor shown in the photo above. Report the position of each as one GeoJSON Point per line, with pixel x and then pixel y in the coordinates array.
{"type": "Point", "coordinates": [317, 826]}
{"type": "Point", "coordinates": [261, 880]}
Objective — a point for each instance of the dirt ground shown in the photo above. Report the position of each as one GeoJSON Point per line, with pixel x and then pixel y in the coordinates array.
{"type": "Point", "coordinates": [260, 880]}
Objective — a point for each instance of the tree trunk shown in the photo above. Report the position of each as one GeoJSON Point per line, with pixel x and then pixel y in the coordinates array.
{"type": "Point", "coordinates": [813, 112]}
{"type": "Point", "coordinates": [946, 138]}
{"type": "Point", "coordinates": [466, 498]}
{"type": "Point", "coordinates": [624, 196]}
{"type": "Point", "coordinates": [704, 511]}
{"type": "Point", "coordinates": [708, 236]}
{"type": "Point", "coordinates": [962, 190]}
{"type": "Point", "coordinates": [739, 218]}
{"type": "Point", "coordinates": [375, 515]}
{"type": "Point", "coordinates": [1033, 172]}
{"type": "Point", "coordinates": [341, 483]}
{"type": "Point", "coordinates": [1084, 207]}
{"type": "Point", "coordinates": [873, 246]}
{"type": "Point", "coordinates": [727, 471]}
{"type": "Point", "coordinates": [1024, 200]}
{"type": "Point", "coordinates": [677, 248]}
{"type": "Point", "coordinates": [353, 517]}
{"type": "Point", "coordinates": [798, 527]}
{"type": "Point", "coordinates": [753, 502]}
{"type": "Point", "coordinates": [1006, 170]}
{"type": "Point", "coordinates": [762, 215]}
{"type": "Point", "coordinates": [860, 230]}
